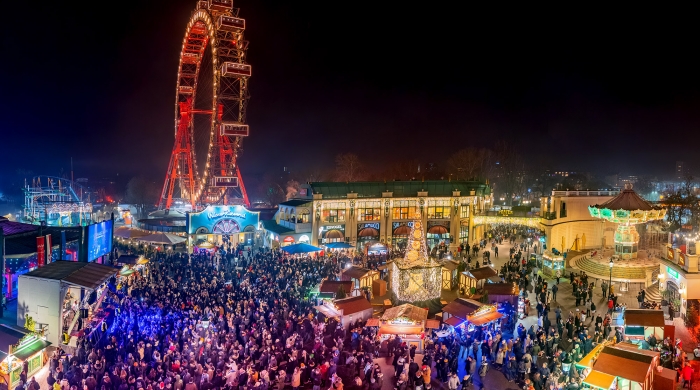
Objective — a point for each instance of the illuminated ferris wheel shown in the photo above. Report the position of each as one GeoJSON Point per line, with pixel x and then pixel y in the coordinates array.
{"type": "Point", "coordinates": [210, 110]}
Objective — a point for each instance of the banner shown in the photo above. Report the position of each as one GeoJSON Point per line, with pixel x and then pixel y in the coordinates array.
{"type": "Point", "coordinates": [669, 254]}
{"type": "Point", "coordinates": [681, 259]}
{"type": "Point", "coordinates": [49, 251]}
{"type": "Point", "coordinates": [40, 251]}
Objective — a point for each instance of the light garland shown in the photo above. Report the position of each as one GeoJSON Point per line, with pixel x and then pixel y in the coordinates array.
{"type": "Point", "coordinates": [416, 277]}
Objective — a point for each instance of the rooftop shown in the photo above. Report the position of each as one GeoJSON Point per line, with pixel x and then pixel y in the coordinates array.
{"type": "Point", "coordinates": [296, 202]}
{"type": "Point", "coordinates": [374, 189]}
{"type": "Point", "coordinates": [88, 275]}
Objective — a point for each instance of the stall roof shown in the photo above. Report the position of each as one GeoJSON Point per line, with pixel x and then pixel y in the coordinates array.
{"type": "Point", "coordinates": [587, 360]}
{"type": "Point", "coordinates": [644, 317]}
{"type": "Point", "coordinates": [327, 311]}
{"type": "Point", "coordinates": [627, 345]}
{"type": "Point", "coordinates": [599, 379]}
{"type": "Point", "coordinates": [485, 319]}
{"type": "Point", "coordinates": [31, 348]}
{"type": "Point", "coordinates": [87, 275]}
{"type": "Point", "coordinates": [400, 329]}
{"type": "Point", "coordinates": [628, 364]}
{"type": "Point", "coordinates": [483, 273]}
{"type": "Point", "coordinates": [432, 324]}
{"type": "Point", "coordinates": [451, 265]}
{"type": "Point", "coordinates": [356, 272]}
{"type": "Point", "coordinates": [413, 313]}
{"type": "Point", "coordinates": [454, 321]}
{"type": "Point", "coordinates": [332, 286]}
{"type": "Point", "coordinates": [502, 288]}
{"type": "Point", "coordinates": [353, 305]}
{"type": "Point", "coordinates": [462, 307]}
{"type": "Point", "coordinates": [372, 322]}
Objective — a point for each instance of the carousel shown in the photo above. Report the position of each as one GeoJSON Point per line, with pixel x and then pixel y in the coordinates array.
{"type": "Point", "coordinates": [627, 210]}
{"type": "Point", "coordinates": [416, 277]}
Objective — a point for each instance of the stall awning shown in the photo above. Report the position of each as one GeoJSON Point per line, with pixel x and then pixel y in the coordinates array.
{"type": "Point", "coordinates": [372, 322]}
{"type": "Point", "coordinates": [454, 321]}
{"type": "Point", "coordinates": [30, 349]}
{"type": "Point", "coordinates": [400, 329]}
{"type": "Point", "coordinates": [599, 379]}
{"type": "Point", "coordinates": [327, 311]}
{"type": "Point", "coordinates": [462, 307]}
{"type": "Point", "coordinates": [587, 360]}
{"type": "Point", "coordinates": [485, 318]}
{"type": "Point", "coordinates": [432, 324]}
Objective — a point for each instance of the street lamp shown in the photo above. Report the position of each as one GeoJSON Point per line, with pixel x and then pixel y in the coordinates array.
{"type": "Point", "coordinates": [610, 284]}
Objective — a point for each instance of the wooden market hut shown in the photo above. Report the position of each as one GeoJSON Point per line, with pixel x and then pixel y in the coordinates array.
{"type": "Point", "coordinates": [468, 279]}
{"type": "Point", "coordinates": [406, 320]}
{"type": "Point", "coordinates": [332, 287]}
{"type": "Point", "coordinates": [641, 323]}
{"type": "Point", "coordinates": [353, 309]}
{"type": "Point", "coordinates": [16, 348]}
{"type": "Point", "coordinates": [634, 369]}
{"type": "Point", "coordinates": [503, 292]}
{"type": "Point", "coordinates": [360, 278]}
{"type": "Point", "coordinates": [449, 274]}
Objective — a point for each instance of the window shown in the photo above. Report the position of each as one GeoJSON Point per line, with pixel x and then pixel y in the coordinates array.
{"type": "Point", "coordinates": [562, 210]}
{"type": "Point", "coordinates": [334, 212]}
{"type": "Point", "coordinates": [303, 216]}
{"type": "Point", "coordinates": [439, 209]}
{"type": "Point", "coordinates": [463, 234]}
{"type": "Point", "coordinates": [404, 209]}
{"type": "Point", "coordinates": [465, 211]}
{"type": "Point", "coordinates": [368, 211]}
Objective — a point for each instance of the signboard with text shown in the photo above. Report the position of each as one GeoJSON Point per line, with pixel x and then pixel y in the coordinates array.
{"type": "Point", "coordinates": [223, 219]}
{"type": "Point", "coordinates": [99, 239]}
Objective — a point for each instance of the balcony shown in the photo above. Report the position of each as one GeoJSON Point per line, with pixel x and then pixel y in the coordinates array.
{"type": "Point", "coordinates": [550, 215]}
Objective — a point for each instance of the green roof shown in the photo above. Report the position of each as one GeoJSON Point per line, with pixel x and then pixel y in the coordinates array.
{"type": "Point", "coordinates": [272, 226]}
{"type": "Point", "coordinates": [374, 189]}
{"type": "Point", "coordinates": [30, 349]}
{"type": "Point", "coordinates": [296, 202]}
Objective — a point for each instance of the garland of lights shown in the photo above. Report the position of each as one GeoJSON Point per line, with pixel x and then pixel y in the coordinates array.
{"type": "Point", "coordinates": [416, 277]}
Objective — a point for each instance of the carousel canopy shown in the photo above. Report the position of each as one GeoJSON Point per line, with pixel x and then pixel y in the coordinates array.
{"type": "Point", "coordinates": [407, 311]}
{"type": "Point", "coordinates": [627, 207]}
{"type": "Point", "coordinates": [162, 238]}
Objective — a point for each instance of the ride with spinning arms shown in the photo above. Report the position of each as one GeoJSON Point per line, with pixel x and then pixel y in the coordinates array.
{"type": "Point", "coordinates": [214, 31]}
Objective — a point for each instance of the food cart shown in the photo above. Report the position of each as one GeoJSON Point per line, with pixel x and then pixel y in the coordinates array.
{"type": "Point", "coordinates": [29, 348]}
{"type": "Point", "coordinates": [406, 321]}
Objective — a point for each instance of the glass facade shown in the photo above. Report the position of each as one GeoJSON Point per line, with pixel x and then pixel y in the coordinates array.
{"type": "Point", "coordinates": [333, 212]}
{"type": "Point", "coordinates": [404, 209]}
{"type": "Point", "coordinates": [368, 211]}
{"type": "Point", "coordinates": [439, 209]}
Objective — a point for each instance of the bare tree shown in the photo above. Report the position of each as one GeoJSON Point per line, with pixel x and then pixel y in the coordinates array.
{"type": "Point", "coordinates": [141, 191]}
{"type": "Point", "coordinates": [349, 167]}
{"type": "Point", "coordinates": [511, 171]}
{"type": "Point", "coordinates": [471, 163]}
{"type": "Point", "coordinates": [292, 188]}
{"type": "Point", "coordinates": [401, 170]}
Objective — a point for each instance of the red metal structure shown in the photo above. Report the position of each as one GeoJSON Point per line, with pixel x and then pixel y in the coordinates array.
{"type": "Point", "coordinates": [214, 27]}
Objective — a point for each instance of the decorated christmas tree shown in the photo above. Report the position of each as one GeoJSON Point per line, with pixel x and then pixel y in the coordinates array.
{"type": "Point", "coordinates": [416, 277]}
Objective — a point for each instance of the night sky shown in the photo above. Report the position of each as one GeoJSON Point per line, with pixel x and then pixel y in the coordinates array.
{"type": "Point", "coordinates": [617, 94]}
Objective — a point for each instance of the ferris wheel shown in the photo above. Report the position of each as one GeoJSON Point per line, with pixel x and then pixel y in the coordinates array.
{"type": "Point", "coordinates": [210, 110]}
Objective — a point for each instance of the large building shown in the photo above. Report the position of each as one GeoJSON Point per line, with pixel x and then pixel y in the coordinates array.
{"type": "Point", "coordinates": [364, 214]}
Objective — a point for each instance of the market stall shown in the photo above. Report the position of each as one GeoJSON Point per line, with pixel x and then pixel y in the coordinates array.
{"type": "Point", "coordinates": [469, 314]}
{"type": "Point", "coordinates": [551, 263]}
{"type": "Point", "coordinates": [449, 274]}
{"type": "Point", "coordinates": [360, 278]}
{"type": "Point", "coordinates": [502, 292]}
{"type": "Point", "coordinates": [353, 309]}
{"type": "Point", "coordinates": [642, 323]}
{"type": "Point", "coordinates": [16, 349]}
{"type": "Point", "coordinates": [632, 369]}
{"type": "Point", "coordinates": [468, 280]}
{"type": "Point", "coordinates": [406, 321]}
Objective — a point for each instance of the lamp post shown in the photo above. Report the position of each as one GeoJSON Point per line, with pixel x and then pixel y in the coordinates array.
{"type": "Point", "coordinates": [610, 284]}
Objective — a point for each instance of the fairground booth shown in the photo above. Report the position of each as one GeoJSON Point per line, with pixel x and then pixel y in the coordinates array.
{"type": "Point", "coordinates": [620, 367]}
{"type": "Point", "coordinates": [360, 278]}
{"type": "Point", "coordinates": [18, 348]}
{"type": "Point", "coordinates": [469, 280]}
{"type": "Point", "coordinates": [222, 225]}
{"type": "Point", "coordinates": [64, 299]}
{"type": "Point", "coordinates": [406, 321]}
{"type": "Point", "coordinates": [642, 323]}
{"type": "Point", "coordinates": [468, 314]}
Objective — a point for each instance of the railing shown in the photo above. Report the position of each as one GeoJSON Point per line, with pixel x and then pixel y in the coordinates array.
{"type": "Point", "coordinates": [586, 193]}
{"type": "Point", "coordinates": [550, 215]}
{"type": "Point", "coordinates": [297, 227]}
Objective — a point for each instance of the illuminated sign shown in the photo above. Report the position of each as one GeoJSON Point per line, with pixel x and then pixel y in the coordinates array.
{"type": "Point", "coordinates": [289, 239]}
{"type": "Point", "coordinates": [304, 238]}
{"type": "Point", "coordinates": [223, 219]}
{"type": "Point", "coordinates": [331, 227]}
{"type": "Point", "coordinates": [99, 239]}
{"type": "Point", "coordinates": [672, 272]}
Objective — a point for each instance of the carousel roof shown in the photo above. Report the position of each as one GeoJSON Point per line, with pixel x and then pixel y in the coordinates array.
{"type": "Point", "coordinates": [628, 200]}
{"type": "Point", "coordinates": [413, 313]}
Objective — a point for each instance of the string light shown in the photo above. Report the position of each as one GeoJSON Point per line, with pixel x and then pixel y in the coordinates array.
{"type": "Point", "coordinates": [416, 277]}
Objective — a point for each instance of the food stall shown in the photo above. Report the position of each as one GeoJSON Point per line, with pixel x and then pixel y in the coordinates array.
{"type": "Point", "coordinates": [353, 309]}
{"type": "Point", "coordinates": [642, 323]}
{"type": "Point", "coordinates": [632, 369]}
{"type": "Point", "coordinates": [406, 321]}
{"type": "Point", "coordinates": [468, 280]}
{"type": "Point", "coordinates": [552, 263]}
{"type": "Point", "coordinates": [503, 292]}
{"type": "Point", "coordinates": [468, 314]}
{"type": "Point", "coordinates": [21, 348]}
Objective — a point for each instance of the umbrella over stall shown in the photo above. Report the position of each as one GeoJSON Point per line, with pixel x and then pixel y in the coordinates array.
{"type": "Point", "coordinates": [339, 245]}
{"type": "Point", "coordinates": [301, 248]}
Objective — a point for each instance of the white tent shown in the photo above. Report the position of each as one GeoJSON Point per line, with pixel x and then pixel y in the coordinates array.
{"type": "Point", "coordinates": [127, 232]}
{"type": "Point", "coordinates": [162, 239]}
